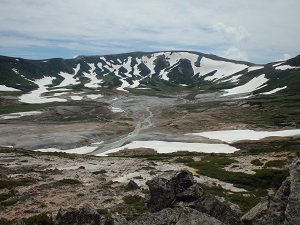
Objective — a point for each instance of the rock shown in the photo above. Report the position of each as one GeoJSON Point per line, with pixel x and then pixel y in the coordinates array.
{"type": "Point", "coordinates": [132, 185]}
{"type": "Point", "coordinates": [84, 216]}
{"type": "Point", "coordinates": [165, 216]}
{"type": "Point", "coordinates": [269, 211]}
{"type": "Point", "coordinates": [115, 219]}
{"type": "Point", "coordinates": [178, 216]}
{"type": "Point", "coordinates": [168, 189]}
{"type": "Point", "coordinates": [14, 191]}
{"type": "Point", "coordinates": [180, 189]}
{"type": "Point", "coordinates": [282, 208]}
{"type": "Point", "coordinates": [193, 217]}
{"type": "Point", "coordinates": [18, 222]}
{"type": "Point", "coordinates": [292, 212]}
{"type": "Point", "coordinates": [212, 206]}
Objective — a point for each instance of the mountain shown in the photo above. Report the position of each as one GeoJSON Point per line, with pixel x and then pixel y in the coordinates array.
{"type": "Point", "coordinates": [158, 71]}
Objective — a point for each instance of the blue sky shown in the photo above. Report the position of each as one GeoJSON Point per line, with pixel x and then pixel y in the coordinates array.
{"type": "Point", "coordinates": [259, 31]}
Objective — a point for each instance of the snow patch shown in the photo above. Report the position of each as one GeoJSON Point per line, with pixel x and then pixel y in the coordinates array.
{"type": "Point", "coordinates": [223, 69]}
{"type": "Point", "coordinates": [168, 147]}
{"type": "Point", "coordinates": [36, 95]}
{"type": "Point", "coordinates": [69, 78]}
{"type": "Point", "coordinates": [92, 76]}
{"type": "Point", "coordinates": [76, 97]}
{"type": "Point", "coordinates": [286, 67]}
{"type": "Point", "coordinates": [15, 70]}
{"type": "Point", "coordinates": [231, 136]}
{"type": "Point", "coordinates": [94, 96]}
{"type": "Point", "coordinates": [5, 88]}
{"type": "Point", "coordinates": [19, 114]}
{"type": "Point", "coordinates": [274, 91]}
{"type": "Point", "coordinates": [253, 68]}
{"type": "Point", "coordinates": [116, 110]}
{"type": "Point", "coordinates": [251, 86]}
{"type": "Point", "coordinates": [80, 150]}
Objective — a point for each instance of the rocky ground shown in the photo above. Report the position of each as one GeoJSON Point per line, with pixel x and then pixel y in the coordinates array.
{"type": "Point", "coordinates": [33, 183]}
{"type": "Point", "coordinates": [50, 181]}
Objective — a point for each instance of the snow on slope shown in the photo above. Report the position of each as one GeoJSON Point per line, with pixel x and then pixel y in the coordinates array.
{"type": "Point", "coordinates": [274, 91]}
{"type": "Point", "coordinates": [69, 78]}
{"type": "Point", "coordinates": [19, 115]}
{"type": "Point", "coordinates": [36, 95]}
{"type": "Point", "coordinates": [231, 136]}
{"type": "Point", "coordinates": [168, 147]}
{"type": "Point", "coordinates": [92, 76]}
{"type": "Point", "coordinates": [286, 67]}
{"type": "Point", "coordinates": [15, 70]}
{"type": "Point", "coordinates": [253, 68]}
{"type": "Point", "coordinates": [223, 69]}
{"type": "Point", "coordinates": [5, 88]}
{"type": "Point", "coordinates": [251, 86]}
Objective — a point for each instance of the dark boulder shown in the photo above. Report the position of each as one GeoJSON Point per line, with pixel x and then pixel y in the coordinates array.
{"type": "Point", "coordinates": [212, 206]}
{"type": "Point", "coordinates": [179, 189]}
{"type": "Point", "coordinates": [84, 216]}
{"type": "Point", "coordinates": [283, 208]}
{"type": "Point", "coordinates": [132, 185]}
{"type": "Point", "coordinates": [169, 189]}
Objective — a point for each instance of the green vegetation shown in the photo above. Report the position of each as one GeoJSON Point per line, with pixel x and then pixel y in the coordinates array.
{"type": "Point", "coordinates": [245, 202]}
{"type": "Point", "coordinates": [184, 160]}
{"type": "Point", "coordinates": [41, 219]}
{"type": "Point", "coordinates": [256, 162]}
{"type": "Point", "coordinates": [212, 166]}
{"type": "Point", "coordinates": [26, 107]}
{"type": "Point", "coordinates": [4, 196]}
{"type": "Point", "coordinates": [255, 184]}
{"type": "Point", "coordinates": [14, 200]}
{"type": "Point", "coordinates": [103, 211]}
{"type": "Point", "coordinates": [275, 163]}
{"type": "Point", "coordinates": [256, 147]}
{"type": "Point", "coordinates": [14, 183]}
{"type": "Point", "coordinates": [135, 202]}
{"type": "Point", "coordinates": [68, 182]}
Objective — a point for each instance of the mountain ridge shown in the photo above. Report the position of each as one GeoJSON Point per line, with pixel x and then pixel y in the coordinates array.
{"type": "Point", "coordinates": [153, 70]}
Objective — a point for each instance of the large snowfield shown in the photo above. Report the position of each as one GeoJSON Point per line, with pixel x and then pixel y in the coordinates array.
{"type": "Point", "coordinates": [231, 136]}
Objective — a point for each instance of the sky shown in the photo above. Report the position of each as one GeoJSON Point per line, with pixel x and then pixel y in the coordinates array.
{"type": "Point", "coordinates": [259, 31]}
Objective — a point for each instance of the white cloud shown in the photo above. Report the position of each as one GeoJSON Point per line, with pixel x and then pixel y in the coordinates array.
{"type": "Point", "coordinates": [284, 58]}
{"type": "Point", "coordinates": [235, 53]}
{"type": "Point", "coordinates": [233, 33]}
{"type": "Point", "coordinates": [98, 26]}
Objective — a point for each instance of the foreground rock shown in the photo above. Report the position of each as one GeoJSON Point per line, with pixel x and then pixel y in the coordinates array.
{"type": "Point", "coordinates": [85, 216]}
{"type": "Point", "coordinates": [177, 191]}
{"type": "Point", "coordinates": [282, 208]}
{"type": "Point", "coordinates": [178, 216]}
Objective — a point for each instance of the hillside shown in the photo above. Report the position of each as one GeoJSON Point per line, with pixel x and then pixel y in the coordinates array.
{"type": "Point", "coordinates": [156, 71]}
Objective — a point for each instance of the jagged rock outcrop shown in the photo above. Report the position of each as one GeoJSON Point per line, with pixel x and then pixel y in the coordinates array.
{"type": "Point", "coordinates": [132, 185]}
{"type": "Point", "coordinates": [115, 219]}
{"type": "Point", "coordinates": [178, 189]}
{"type": "Point", "coordinates": [84, 216]}
{"type": "Point", "coordinates": [292, 212]}
{"type": "Point", "coordinates": [283, 208]}
{"type": "Point", "coordinates": [177, 216]}
{"type": "Point", "coordinates": [172, 188]}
